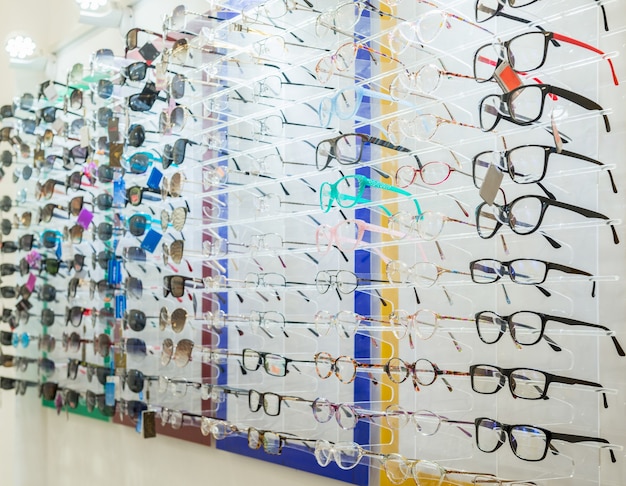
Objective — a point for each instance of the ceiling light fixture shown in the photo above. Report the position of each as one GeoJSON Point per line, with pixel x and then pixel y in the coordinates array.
{"type": "Point", "coordinates": [20, 47]}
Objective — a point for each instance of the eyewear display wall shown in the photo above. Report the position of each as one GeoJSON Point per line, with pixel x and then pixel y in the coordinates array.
{"type": "Point", "coordinates": [285, 218]}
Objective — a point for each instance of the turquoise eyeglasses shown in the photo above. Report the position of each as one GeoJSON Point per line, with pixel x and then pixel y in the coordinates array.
{"type": "Point", "coordinates": [348, 191]}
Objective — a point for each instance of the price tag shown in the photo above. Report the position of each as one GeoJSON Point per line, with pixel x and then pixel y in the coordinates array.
{"type": "Point", "coordinates": [119, 192]}
{"type": "Point", "coordinates": [113, 129]}
{"type": "Point", "coordinates": [148, 418]}
{"type": "Point", "coordinates": [120, 306]}
{"type": "Point", "coordinates": [149, 52]}
{"type": "Point", "coordinates": [85, 217]}
{"type": "Point", "coordinates": [507, 78]}
{"type": "Point", "coordinates": [154, 180]}
{"type": "Point", "coordinates": [491, 185]}
{"type": "Point", "coordinates": [151, 240]}
{"type": "Point", "coordinates": [114, 271]}
{"type": "Point", "coordinates": [50, 92]}
{"type": "Point", "coordinates": [110, 390]}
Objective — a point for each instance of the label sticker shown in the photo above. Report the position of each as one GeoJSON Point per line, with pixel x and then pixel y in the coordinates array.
{"type": "Point", "coordinates": [507, 78]}
{"type": "Point", "coordinates": [151, 240]}
{"type": "Point", "coordinates": [85, 217]}
{"type": "Point", "coordinates": [119, 193]}
{"type": "Point", "coordinates": [154, 181]}
{"type": "Point", "coordinates": [491, 184]}
{"type": "Point", "coordinates": [84, 136]}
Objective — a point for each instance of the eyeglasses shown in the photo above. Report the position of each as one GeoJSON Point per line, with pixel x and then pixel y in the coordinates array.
{"type": "Point", "coordinates": [345, 103]}
{"type": "Point", "coordinates": [344, 367]}
{"type": "Point", "coordinates": [181, 353]}
{"type": "Point", "coordinates": [422, 127]}
{"type": "Point", "coordinates": [426, 422]}
{"type": "Point", "coordinates": [345, 322]}
{"type": "Point", "coordinates": [97, 401]}
{"type": "Point", "coordinates": [423, 372]}
{"type": "Point", "coordinates": [423, 323]}
{"type": "Point", "coordinates": [347, 455]}
{"type": "Point", "coordinates": [526, 164]}
{"type": "Point", "coordinates": [219, 429]}
{"type": "Point", "coordinates": [523, 271]}
{"type": "Point", "coordinates": [176, 284]}
{"type": "Point", "coordinates": [344, 281]}
{"type": "Point", "coordinates": [421, 274]}
{"type": "Point", "coordinates": [426, 80]}
{"type": "Point", "coordinates": [274, 364]}
{"type": "Point", "coordinates": [524, 215]}
{"type": "Point", "coordinates": [100, 372]}
{"type": "Point", "coordinates": [424, 30]}
{"type": "Point", "coordinates": [344, 17]}
{"type": "Point", "coordinates": [270, 402]}
{"type": "Point", "coordinates": [347, 149]}
{"type": "Point", "coordinates": [526, 383]}
{"type": "Point", "coordinates": [488, 9]}
{"type": "Point", "coordinates": [528, 442]}
{"type": "Point", "coordinates": [427, 225]}
{"type": "Point", "coordinates": [135, 380]}
{"type": "Point", "coordinates": [527, 328]}
{"type": "Point", "coordinates": [348, 191]}
{"type": "Point", "coordinates": [431, 173]}
{"type": "Point", "coordinates": [20, 386]}
{"type": "Point", "coordinates": [524, 105]}
{"type": "Point", "coordinates": [176, 153]}
{"type": "Point", "coordinates": [346, 235]}
{"type": "Point", "coordinates": [343, 59]}
{"type": "Point", "coordinates": [524, 53]}
{"type": "Point", "coordinates": [346, 415]}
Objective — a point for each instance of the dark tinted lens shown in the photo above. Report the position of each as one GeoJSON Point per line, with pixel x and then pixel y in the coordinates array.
{"type": "Point", "coordinates": [135, 408]}
{"type": "Point", "coordinates": [6, 226]}
{"type": "Point", "coordinates": [102, 373]}
{"type": "Point", "coordinates": [168, 156]}
{"type": "Point", "coordinates": [6, 158]}
{"type": "Point", "coordinates": [105, 231]}
{"type": "Point", "coordinates": [178, 86]}
{"type": "Point", "coordinates": [178, 153]}
{"type": "Point", "coordinates": [71, 398]}
{"type": "Point", "coordinates": [136, 320]}
{"type": "Point", "coordinates": [102, 345]}
{"type": "Point", "coordinates": [136, 135]}
{"type": "Point", "coordinates": [105, 89]}
{"type": "Point", "coordinates": [139, 163]}
{"type": "Point", "coordinates": [134, 287]}
{"type": "Point", "coordinates": [26, 101]}
{"type": "Point", "coordinates": [76, 125]}
{"type": "Point", "coordinates": [106, 316]}
{"type": "Point", "coordinates": [138, 224]}
{"type": "Point", "coordinates": [52, 265]}
{"type": "Point", "coordinates": [6, 338]}
{"type": "Point", "coordinates": [46, 213]}
{"type": "Point", "coordinates": [49, 114]}
{"type": "Point", "coordinates": [104, 115]}
{"type": "Point", "coordinates": [135, 380]}
{"type": "Point", "coordinates": [105, 173]}
{"type": "Point", "coordinates": [49, 239]}
{"type": "Point", "coordinates": [137, 71]}
{"type": "Point", "coordinates": [7, 269]}
{"type": "Point", "coordinates": [8, 292]}
{"type": "Point", "coordinates": [29, 126]}
{"type": "Point", "coordinates": [136, 347]}
{"type": "Point", "coordinates": [76, 99]}
{"type": "Point", "coordinates": [72, 369]}
{"type": "Point", "coordinates": [46, 366]}
{"type": "Point", "coordinates": [136, 254]}
{"type": "Point", "coordinates": [78, 262]}
{"type": "Point", "coordinates": [47, 317]}
{"type": "Point", "coordinates": [104, 201]}
{"type": "Point", "coordinates": [27, 172]}
{"type": "Point", "coordinates": [141, 101]}
{"type": "Point", "coordinates": [79, 154]}
{"type": "Point", "coordinates": [47, 293]}
{"type": "Point", "coordinates": [24, 267]}
{"type": "Point", "coordinates": [8, 247]}
{"type": "Point", "coordinates": [6, 203]}
{"type": "Point", "coordinates": [48, 390]}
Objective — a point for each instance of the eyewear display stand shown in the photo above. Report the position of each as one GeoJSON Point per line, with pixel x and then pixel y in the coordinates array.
{"type": "Point", "coordinates": [379, 243]}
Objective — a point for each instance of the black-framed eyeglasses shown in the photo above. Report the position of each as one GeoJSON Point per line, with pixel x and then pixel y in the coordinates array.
{"type": "Point", "coordinates": [347, 149]}
{"type": "Point", "coordinates": [270, 402]}
{"type": "Point", "coordinates": [527, 328]}
{"type": "Point", "coordinates": [488, 9]}
{"type": "Point", "coordinates": [523, 271]}
{"type": "Point", "coordinates": [525, 53]}
{"type": "Point", "coordinates": [528, 442]}
{"type": "Point", "coordinates": [526, 164]}
{"type": "Point", "coordinates": [525, 383]}
{"type": "Point", "coordinates": [525, 214]}
{"type": "Point", "coordinates": [525, 104]}
{"type": "Point", "coordinates": [175, 154]}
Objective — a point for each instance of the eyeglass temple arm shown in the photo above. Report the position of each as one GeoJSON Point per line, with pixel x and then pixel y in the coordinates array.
{"type": "Point", "coordinates": [583, 438]}
{"type": "Point", "coordinates": [567, 153]}
{"type": "Point", "coordinates": [573, 322]}
{"type": "Point", "coordinates": [575, 381]}
{"type": "Point", "coordinates": [589, 47]}
{"type": "Point", "coordinates": [587, 213]}
{"type": "Point", "coordinates": [606, 22]}
{"type": "Point", "coordinates": [579, 100]}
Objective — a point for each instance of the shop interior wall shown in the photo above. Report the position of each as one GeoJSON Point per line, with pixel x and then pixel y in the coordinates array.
{"type": "Point", "coordinates": [39, 447]}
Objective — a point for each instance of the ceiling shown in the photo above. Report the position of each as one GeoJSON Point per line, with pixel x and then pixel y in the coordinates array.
{"type": "Point", "coordinates": [52, 24]}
